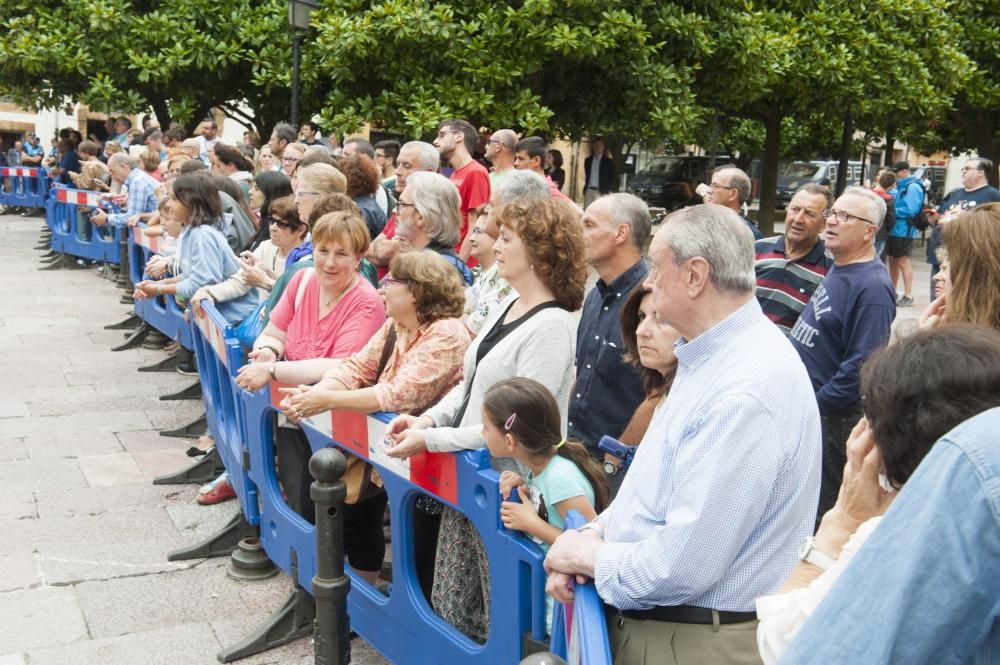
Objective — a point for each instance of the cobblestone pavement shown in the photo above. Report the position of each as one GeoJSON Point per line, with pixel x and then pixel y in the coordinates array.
{"type": "Point", "coordinates": [83, 571]}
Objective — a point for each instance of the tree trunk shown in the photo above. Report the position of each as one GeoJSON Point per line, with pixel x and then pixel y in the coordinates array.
{"type": "Point", "coordinates": [845, 152]}
{"type": "Point", "coordinates": [890, 144]}
{"type": "Point", "coordinates": [162, 112]}
{"type": "Point", "coordinates": [769, 173]}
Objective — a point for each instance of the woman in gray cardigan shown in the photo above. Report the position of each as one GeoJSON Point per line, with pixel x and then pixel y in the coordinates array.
{"type": "Point", "coordinates": [540, 252]}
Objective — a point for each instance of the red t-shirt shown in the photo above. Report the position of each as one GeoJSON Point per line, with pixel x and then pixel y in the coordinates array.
{"type": "Point", "coordinates": [473, 182]}
{"type": "Point", "coordinates": [389, 231]}
{"type": "Point", "coordinates": [343, 331]}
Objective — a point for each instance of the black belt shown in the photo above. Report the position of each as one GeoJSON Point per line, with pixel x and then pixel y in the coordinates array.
{"type": "Point", "coordinates": [684, 614]}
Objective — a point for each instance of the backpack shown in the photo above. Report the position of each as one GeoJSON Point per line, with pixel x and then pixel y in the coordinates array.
{"type": "Point", "coordinates": [922, 220]}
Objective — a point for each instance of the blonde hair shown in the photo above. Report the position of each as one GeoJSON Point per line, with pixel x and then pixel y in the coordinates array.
{"type": "Point", "coordinates": [345, 227]}
{"type": "Point", "coordinates": [322, 178]}
{"type": "Point", "coordinates": [973, 244]}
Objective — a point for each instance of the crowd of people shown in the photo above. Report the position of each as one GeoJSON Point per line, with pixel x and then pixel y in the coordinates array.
{"type": "Point", "coordinates": [791, 459]}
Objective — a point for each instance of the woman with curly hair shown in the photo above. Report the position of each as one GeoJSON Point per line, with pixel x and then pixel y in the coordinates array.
{"type": "Point", "coordinates": [362, 181]}
{"type": "Point", "coordinates": [540, 252]}
{"type": "Point", "coordinates": [407, 366]}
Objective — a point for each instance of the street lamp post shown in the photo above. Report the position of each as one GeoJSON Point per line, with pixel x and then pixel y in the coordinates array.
{"type": "Point", "coordinates": [298, 20]}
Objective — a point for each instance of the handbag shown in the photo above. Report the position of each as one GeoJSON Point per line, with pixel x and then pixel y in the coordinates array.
{"type": "Point", "coordinates": [250, 328]}
{"type": "Point", "coordinates": [361, 478]}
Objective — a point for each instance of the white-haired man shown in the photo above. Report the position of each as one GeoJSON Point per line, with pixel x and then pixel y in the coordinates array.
{"type": "Point", "coordinates": [141, 188]}
{"type": "Point", "coordinates": [413, 156]}
{"type": "Point", "coordinates": [723, 488]}
{"type": "Point", "coordinates": [847, 318]}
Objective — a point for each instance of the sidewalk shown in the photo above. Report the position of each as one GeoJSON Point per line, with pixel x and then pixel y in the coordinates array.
{"type": "Point", "coordinates": [83, 571]}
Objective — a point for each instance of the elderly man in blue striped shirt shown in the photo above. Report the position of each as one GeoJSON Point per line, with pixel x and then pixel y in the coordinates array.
{"type": "Point", "coordinates": [723, 488]}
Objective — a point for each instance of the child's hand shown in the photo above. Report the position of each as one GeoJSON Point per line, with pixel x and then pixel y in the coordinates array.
{"type": "Point", "coordinates": [508, 481]}
{"type": "Point", "coordinates": [519, 516]}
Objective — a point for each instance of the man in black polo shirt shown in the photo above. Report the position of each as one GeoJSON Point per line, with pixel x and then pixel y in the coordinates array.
{"type": "Point", "coordinates": [608, 390]}
{"type": "Point", "coordinates": [790, 267]}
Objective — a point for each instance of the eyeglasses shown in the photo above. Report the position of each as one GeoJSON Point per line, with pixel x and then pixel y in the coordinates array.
{"type": "Point", "coordinates": [971, 168]}
{"type": "Point", "coordinates": [716, 185]}
{"type": "Point", "coordinates": [405, 204]}
{"type": "Point", "coordinates": [843, 217]}
{"type": "Point", "coordinates": [389, 281]}
{"type": "Point", "coordinates": [299, 193]}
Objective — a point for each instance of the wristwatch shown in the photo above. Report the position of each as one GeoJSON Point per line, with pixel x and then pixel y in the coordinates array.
{"type": "Point", "coordinates": [611, 468]}
{"type": "Point", "coordinates": [809, 554]}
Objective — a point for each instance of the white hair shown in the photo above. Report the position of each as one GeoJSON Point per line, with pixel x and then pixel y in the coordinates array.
{"type": "Point", "coordinates": [718, 235]}
{"type": "Point", "coordinates": [436, 199]}
{"type": "Point", "coordinates": [874, 203]}
{"type": "Point", "coordinates": [122, 158]}
{"type": "Point", "coordinates": [519, 187]}
{"type": "Point", "coordinates": [427, 155]}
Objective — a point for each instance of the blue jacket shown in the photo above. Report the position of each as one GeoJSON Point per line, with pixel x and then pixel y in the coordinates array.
{"type": "Point", "coordinates": [924, 588]}
{"type": "Point", "coordinates": [909, 202]}
{"type": "Point", "coordinates": [206, 259]}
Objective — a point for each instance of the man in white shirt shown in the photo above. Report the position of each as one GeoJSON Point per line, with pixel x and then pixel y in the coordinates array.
{"type": "Point", "coordinates": [599, 171]}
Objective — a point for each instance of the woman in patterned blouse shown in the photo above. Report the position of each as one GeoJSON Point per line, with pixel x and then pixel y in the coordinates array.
{"type": "Point", "coordinates": [407, 366]}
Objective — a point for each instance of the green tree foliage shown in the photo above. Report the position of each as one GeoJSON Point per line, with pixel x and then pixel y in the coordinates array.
{"type": "Point", "coordinates": [972, 120]}
{"type": "Point", "coordinates": [879, 60]}
{"type": "Point", "coordinates": [178, 57]}
{"type": "Point", "coordinates": [572, 68]}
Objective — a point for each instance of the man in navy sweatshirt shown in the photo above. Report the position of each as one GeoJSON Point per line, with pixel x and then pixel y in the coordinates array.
{"type": "Point", "coordinates": [848, 317]}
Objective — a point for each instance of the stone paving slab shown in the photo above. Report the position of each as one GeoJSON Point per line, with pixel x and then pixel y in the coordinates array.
{"type": "Point", "coordinates": [12, 449]}
{"type": "Point", "coordinates": [39, 618]}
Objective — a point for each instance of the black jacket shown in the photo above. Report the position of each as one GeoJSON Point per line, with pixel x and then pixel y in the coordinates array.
{"type": "Point", "coordinates": [606, 176]}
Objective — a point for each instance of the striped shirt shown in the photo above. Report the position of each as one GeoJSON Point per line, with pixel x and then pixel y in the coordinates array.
{"type": "Point", "coordinates": [723, 488]}
{"type": "Point", "coordinates": [784, 287]}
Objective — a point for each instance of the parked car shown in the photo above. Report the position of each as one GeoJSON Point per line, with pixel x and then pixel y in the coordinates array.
{"type": "Point", "coordinates": [670, 182]}
{"type": "Point", "coordinates": [820, 172]}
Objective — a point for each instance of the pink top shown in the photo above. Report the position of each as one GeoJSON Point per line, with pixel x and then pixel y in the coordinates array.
{"type": "Point", "coordinates": [343, 331]}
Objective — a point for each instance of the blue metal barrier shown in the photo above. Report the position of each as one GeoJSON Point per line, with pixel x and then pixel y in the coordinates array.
{"type": "Point", "coordinates": [579, 631]}
{"type": "Point", "coordinates": [80, 238]}
{"type": "Point", "coordinates": [161, 312]}
{"type": "Point", "coordinates": [29, 186]}
{"type": "Point", "coordinates": [402, 626]}
{"type": "Point", "coordinates": [219, 357]}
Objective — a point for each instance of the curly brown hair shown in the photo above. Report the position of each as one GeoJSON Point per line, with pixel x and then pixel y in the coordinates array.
{"type": "Point", "coordinates": [362, 174]}
{"type": "Point", "coordinates": [434, 283]}
{"type": "Point", "coordinates": [552, 233]}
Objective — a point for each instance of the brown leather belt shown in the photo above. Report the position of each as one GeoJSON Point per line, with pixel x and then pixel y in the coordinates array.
{"type": "Point", "coordinates": [684, 614]}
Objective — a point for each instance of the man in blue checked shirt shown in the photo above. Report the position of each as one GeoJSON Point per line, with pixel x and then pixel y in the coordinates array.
{"type": "Point", "coordinates": [723, 488]}
{"type": "Point", "coordinates": [141, 188]}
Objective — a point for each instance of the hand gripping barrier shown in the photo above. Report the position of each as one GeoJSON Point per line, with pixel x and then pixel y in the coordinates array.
{"type": "Point", "coordinates": [402, 626]}
{"type": "Point", "coordinates": [29, 186]}
{"type": "Point", "coordinates": [579, 631]}
{"type": "Point", "coordinates": [219, 357]}
{"type": "Point", "coordinates": [78, 237]}
{"type": "Point", "coordinates": [161, 312]}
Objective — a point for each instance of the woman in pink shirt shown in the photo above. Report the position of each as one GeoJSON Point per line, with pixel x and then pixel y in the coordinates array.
{"type": "Point", "coordinates": [327, 312]}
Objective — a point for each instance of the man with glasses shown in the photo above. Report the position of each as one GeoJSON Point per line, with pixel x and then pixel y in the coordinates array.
{"type": "Point", "coordinates": [731, 187]}
{"type": "Point", "coordinates": [975, 190]}
{"type": "Point", "coordinates": [790, 267]}
{"type": "Point", "coordinates": [848, 317]}
{"type": "Point", "coordinates": [500, 153]}
{"type": "Point", "coordinates": [456, 141]}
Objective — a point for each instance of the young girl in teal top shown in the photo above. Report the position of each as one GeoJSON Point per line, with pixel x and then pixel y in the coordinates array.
{"type": "Point", "coordinates": [521, 420]}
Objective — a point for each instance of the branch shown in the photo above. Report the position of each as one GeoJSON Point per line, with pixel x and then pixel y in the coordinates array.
{"type": "Point", "coordinates": [238, 115]}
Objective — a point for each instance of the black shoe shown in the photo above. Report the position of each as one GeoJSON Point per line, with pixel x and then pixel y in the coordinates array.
{"type": "Point", "coordinates": [187, 368]}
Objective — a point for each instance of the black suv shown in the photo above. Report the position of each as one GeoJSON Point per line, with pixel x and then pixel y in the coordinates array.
{"type": "Point", "coordinates": [669, 182]}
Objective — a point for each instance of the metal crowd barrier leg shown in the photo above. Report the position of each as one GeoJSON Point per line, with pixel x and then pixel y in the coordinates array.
{"type": "Point", "coordinates": [330, 586]}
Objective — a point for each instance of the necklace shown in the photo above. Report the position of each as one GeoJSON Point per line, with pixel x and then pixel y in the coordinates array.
{"type": "Point", "coordinates": [326, 303]}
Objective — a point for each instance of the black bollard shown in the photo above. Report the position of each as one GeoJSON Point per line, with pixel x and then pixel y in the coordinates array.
{"type": "Point", "coordinates": [330, 585]}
